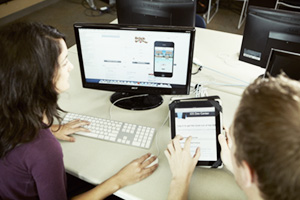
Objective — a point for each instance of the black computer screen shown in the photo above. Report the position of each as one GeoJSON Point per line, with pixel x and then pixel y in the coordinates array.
{"type": "Point", "coordinates": [283, 61]}
{"type": "Point", "coordinates": [135, 59]}
{"type": "Point", "coordinates": [266, 27]}
{"type": "Point", "coordinates": [157, 12]}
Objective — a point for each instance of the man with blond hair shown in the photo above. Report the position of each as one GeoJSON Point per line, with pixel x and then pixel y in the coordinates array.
{"type": "Point", "coordinates": [262, 148]}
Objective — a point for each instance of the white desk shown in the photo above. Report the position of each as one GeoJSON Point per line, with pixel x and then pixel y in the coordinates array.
{"type": "Point", "coordinates": [95, 160]}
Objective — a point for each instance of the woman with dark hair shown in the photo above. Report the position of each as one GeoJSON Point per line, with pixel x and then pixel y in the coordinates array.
{"type": "Point", "coordinates": [34, 70]}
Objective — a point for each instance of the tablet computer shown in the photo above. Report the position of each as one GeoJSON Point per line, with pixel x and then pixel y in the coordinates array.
{"type": "Point", "coordinates": [200, 118]}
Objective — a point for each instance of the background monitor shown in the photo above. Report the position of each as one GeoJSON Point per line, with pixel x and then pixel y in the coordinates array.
{"type": "Point", "coordinates": [157, 12]}
{"type": "Point", "coordinates": [267, 28]}
{"type": "Point", "coordinates": [283, 61]}
{"type": "Point", "coordinates": [134, 60]}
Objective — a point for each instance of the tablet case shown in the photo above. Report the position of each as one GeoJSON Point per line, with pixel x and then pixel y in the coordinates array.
{"type": "Point", "coordinates": [212, 101]}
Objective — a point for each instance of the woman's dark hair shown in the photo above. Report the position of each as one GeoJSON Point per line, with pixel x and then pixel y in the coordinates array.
{"type": "Point", "coordinates": [28, 66]}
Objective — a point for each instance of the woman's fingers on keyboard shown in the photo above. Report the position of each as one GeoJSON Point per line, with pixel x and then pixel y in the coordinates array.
{"type": "Point", "coordinates": [78, 123]}
{"type": "Point", "coordinates": [82, 129]}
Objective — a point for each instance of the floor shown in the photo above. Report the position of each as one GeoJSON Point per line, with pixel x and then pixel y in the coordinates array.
{"type": "Point", "coordinates": [63, 13]}
{"type": "Point", "coordinates": [12, 6]}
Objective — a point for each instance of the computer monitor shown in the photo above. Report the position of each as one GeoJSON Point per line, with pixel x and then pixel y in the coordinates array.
{"type": "Point", "coordinates": [135, 60]}
{"type": "Point", "coordinates": [267, 28]}
{"type": "Point", "coordinates": [283, 61]}
{"type": "Point", "coordinates": [157, 12]}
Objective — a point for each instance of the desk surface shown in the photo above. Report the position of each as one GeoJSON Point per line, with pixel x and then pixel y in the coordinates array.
{"type": "Point", "coordinates": [95, 160]}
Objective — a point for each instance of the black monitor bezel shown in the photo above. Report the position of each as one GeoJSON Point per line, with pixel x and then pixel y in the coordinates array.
{"type": "Point", "coordinates": [185, 89]}
{"type": "Point", "coordinates": [126, 15]}
{"type": "Point", "coordinates": [255, 38]}
{"type": "Point", "coordinates": [278, 52]}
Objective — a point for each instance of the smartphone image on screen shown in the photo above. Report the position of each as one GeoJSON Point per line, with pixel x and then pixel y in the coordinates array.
{"type": "Point", "coordinates": [163, 59]}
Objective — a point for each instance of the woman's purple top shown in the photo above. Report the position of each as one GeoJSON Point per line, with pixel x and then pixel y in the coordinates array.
{"type": "Point", "coordinates": [34, 170]}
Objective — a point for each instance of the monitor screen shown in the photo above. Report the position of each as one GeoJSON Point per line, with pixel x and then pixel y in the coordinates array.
{"type": "Point", "coordinates": [283, 61]}
{"type": "Point", "coordinates": [267, 28]}
{"type": "Point", "coordinates": [158, 12]}
{"type": "Point", "coordinates": [135, 60]}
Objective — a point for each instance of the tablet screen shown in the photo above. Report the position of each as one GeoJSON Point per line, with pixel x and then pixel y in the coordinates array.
{"type": "Point", "coordinates": [200, 123]}
{"type": "Point", "coordinates": [203, 125]}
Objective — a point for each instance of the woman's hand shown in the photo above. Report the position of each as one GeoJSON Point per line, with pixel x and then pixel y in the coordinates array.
{"type": "Point", "coordinates": [136, 171]}
{"type": "Point", "coordinates": [64, 132]}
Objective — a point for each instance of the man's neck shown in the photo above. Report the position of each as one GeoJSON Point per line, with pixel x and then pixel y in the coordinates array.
{"type": "Point", "coordinates": [253, 193]}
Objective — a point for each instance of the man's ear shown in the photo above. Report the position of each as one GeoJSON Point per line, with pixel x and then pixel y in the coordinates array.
{"type": "Point", "coordinates": [248, 175]}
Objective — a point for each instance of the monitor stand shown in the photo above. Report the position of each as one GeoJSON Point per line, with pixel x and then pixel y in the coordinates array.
{"type": "Point", "coordinates": [132, 101]}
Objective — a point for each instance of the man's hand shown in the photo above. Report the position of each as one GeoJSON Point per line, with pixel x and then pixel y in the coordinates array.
{"type": "Point", "coordinates": [226, 143]}
{"type": "Point", "coordinates": [182, 166]}
{"type": "Point", "coordinates": [180, 160]}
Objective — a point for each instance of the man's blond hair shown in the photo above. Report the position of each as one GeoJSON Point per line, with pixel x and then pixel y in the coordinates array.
{"type": "Point", "coordinates": [266, 130]}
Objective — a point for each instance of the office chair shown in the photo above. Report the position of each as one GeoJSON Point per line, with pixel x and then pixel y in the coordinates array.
{"type": "Point", "coordinates": [212, 4]}
{"type": "Point", "coordinates": [288, 3]}
{"type": "Point", "coordinates": [200, 22]}
{"type": "Point", "coordinates": [243, 13]}
{"type": "Point", "coordinates": [91, 4]}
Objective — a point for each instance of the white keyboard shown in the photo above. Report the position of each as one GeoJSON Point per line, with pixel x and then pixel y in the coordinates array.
{"type": "Point", "coordinates": [115, 131]}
